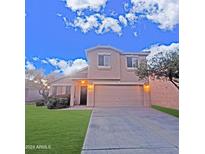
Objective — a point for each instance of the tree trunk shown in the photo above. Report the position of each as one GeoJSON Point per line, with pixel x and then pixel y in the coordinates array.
{"type": "Point", "coordinates": [174, 83]}
{"type": "Point", "coordinates": [171, 79]}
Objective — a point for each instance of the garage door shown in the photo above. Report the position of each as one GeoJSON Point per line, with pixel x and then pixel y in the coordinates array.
{"type": "Point", "coordinates": [109, 95]}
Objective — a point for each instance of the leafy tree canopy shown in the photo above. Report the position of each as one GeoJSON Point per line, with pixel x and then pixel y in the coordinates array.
{"type": "Point", "coordinates": [161, 66]}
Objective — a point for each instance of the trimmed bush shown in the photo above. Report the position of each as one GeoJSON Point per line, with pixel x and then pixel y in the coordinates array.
{"type": "Point", "coordinates": [40, 103]}
{"type": "Point", "coordinates": [58, 103]}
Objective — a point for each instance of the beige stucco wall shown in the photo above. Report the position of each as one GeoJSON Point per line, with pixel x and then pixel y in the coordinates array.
{"type": "Point", "coordinates": [81, 74]}
{"type": "Point", "coordinates": [94, 72]}
{"type": "Point", "coordinates": [32, 94]}
{"type": "Point", "coordinates": [118, 72]}
{"type": "Point", "coordinates": [32, 91]}
{"type": "Point", "coordinates": [164, 93]}
{"type": "Point", "coordinates": [90, 97]}
{"type": "Point", "coordinates": [118, 69]}
{"type": "Point", "coordinates": [127, 74]}
{"type": "Point", "coordinates": [62, 81]}
{"type": "Point", "coordinates": [77, 87]}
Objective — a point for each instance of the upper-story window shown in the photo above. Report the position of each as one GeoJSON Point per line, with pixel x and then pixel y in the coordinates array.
{"type": "Point", "coordinates": [132, 62]}
{"type": "Point", "coordinates": [104, 60]}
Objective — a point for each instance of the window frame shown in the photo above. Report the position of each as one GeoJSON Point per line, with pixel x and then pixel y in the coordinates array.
{"type": "Point", "coordinates": [98, 60]}
{"type": "Point", "coordinates": [132, 67]}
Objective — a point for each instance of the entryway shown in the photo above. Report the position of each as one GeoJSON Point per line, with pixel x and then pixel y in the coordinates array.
{"type": "Point", "coordinates": [83, 95]}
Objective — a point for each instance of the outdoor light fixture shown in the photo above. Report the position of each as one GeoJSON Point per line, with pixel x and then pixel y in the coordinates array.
{"type": "Point", "coordinates": [82, 81]}
{"type": "Point", "coordinates": [146, 87]}
{"type": "Point", "coordinates": [90, 87]}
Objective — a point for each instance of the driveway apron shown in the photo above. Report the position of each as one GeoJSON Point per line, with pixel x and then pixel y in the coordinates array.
{"type": "Point", "coordinates": [131, 131]}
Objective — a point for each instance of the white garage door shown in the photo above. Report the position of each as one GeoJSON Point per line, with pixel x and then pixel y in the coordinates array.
{"type": "Point", "coordinates": [109, 95]}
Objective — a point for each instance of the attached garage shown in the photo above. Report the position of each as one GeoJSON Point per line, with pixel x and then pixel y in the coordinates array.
{"type": "Point", "coordinates": [118, 95]}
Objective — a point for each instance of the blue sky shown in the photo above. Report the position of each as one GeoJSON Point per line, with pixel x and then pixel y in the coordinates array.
{"type": "Point", "coordinates": [61, 30]}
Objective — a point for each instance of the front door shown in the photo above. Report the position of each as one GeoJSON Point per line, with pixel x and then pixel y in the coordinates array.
{"type": "Point", "coordinates": [83, 95]}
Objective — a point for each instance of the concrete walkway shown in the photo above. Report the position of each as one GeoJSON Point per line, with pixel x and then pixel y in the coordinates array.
{"type": "Point", "coordinates": [131, 131]}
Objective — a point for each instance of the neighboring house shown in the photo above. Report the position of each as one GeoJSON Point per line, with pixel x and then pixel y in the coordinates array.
{"type": "Point", "coordinates": [32, 91]}
{"type": "Point", "coordinates": [109, 80]}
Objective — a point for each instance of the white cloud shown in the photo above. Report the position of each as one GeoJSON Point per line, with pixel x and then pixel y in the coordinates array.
{"type": "Point", "coordinates": [99, 23]}
{"type": "Point", "coordinates": [67, 67]}
{"type": "Point", "coordinates": [59, 15]}
{"type": "Point", "coordinates": [108, 24]}
{"type": "Point", "coordinates": [131, 17]}
{"type": "Point", "coordinates": [44, 61]}
{"type": "Point", "coordinates": [30, 66]}
{"type": "Point", "coordinates": [53, 61]}
{"type": "Point", "coordinates": [126, 6]}
{"type": "Point", "coordinates": [135, 34]}
{"type": "Point", "coordinates": [113, 13]}
{"type": "Point", "coordinates": [56, 71]}
{"type": "Point", "coordinates": [123, 20]}
{"type": "Point", "coordinates": [76, 5]}
{"type": "Point", "coordinates": [163, 12]}
{"type": "Point", "coordinates": [75, 66]}
{"type": "Point", "coordinates": [66, 21]}
{"type": "Point", "coordinates": [87, 23]}
{"type": "Point", "coordinates": [155, 49]}
{"type": "Point", "coordinates": [35, 58]}
{"type": "Point", "coordinates": [62, 64]}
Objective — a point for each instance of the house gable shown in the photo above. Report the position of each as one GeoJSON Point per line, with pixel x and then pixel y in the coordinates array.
{"type": "Point", "coordinates": [118, 69]}
{"type": "Point", "coordinates": [95, 71]}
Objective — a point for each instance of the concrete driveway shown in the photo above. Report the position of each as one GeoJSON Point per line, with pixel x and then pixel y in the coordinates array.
{"type": "Point", "coordinates": [131, 131]}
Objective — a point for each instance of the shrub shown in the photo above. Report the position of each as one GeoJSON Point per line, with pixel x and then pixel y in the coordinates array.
{"type": "Point", "coordinates": [40, 103]}
{"type": "Point", "coordinates": [58, 103]}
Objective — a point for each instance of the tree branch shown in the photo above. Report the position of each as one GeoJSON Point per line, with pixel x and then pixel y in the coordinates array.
{"type": "Point", "coordinates": [174, 84]}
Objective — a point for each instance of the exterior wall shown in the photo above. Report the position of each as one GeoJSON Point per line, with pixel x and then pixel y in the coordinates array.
{"type": "Point", "coordinates": [117, 73]}
{"type": "Point", "coordinates": [118, 69]}
{"type": "Point", "coordinates": [80, 74]}
{"type": "Point", "coordinates": [72, 91]}
{"type": "Point", "coordinates": [32, 91]}
{"type": "Point", "coordinates": [62, 81]}
{"type": "Point", "coordinates": [164, 93]}
{"type": "Point", "coordinates": [75, 95]}
{"type": "Point", "coordinates": [128, 74]}
{"type": "Point", "coordinates": [94, 72]}
{"type": "Point", "coordinates": [32, 94]}
{"type": "Point", "coordinates": [90, 96]}
{"type": "Point", "coordinates": [147, 99]}
{"type": "Point", "coordinates": [77, 92]}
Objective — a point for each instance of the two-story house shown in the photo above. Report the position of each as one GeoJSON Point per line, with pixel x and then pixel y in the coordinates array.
{"type": "Point", "coordinates": [109, 80]}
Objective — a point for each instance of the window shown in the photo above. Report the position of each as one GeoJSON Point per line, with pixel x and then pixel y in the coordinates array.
{"type": "Point", "coordinates": [132, 62]}
{"type": "Point", "coordinates": [54, 91]}
{"type": "Point", "coordinates": [61, 90]}
{"type": "Point", "coordinates": [104, 60]}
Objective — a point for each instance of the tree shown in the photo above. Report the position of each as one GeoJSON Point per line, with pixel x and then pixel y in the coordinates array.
{"type": "Point", "coordinates": [161, 66]}
{"type": "Point", "coordinates": [34, 74]}
{"type": "Point", "coordinates": [38, 76]}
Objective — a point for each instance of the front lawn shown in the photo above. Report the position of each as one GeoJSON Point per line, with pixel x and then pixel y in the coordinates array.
{"type": "Point", "coordinates": [170, 111]}
{"type": "Point", "coordinates": [55, 131]}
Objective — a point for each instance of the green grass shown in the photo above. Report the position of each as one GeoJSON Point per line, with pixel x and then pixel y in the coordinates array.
{"type": "Point", "coordinates": [62, 130]}
{"type": "Point", "coordinates": [170, 111]}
